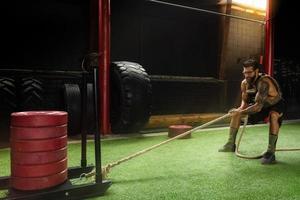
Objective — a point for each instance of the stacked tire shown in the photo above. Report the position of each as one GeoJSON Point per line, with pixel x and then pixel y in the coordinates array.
{"type": "Point", "coordinates": [31, 94]}
{"type": "Point", "coordinates": [7, 95]}
{"type": "Point", "coordinates": [8, 104]}
{"type": "Point", "coordinates": [38, 149]}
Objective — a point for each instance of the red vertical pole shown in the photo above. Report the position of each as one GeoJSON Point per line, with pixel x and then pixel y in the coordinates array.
{"type": "Point", "coordinates": [269, 50]}
{"type": "Point", "coordinates": [104, 65]}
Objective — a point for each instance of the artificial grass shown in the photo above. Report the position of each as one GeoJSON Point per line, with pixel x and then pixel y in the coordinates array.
{"type": "Point", "coordinates": [193, 169]}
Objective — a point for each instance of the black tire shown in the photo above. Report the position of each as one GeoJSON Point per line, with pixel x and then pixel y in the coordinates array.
{"type": "Point", "coordinates": [72, 104]}
{"type": "Point", "coordinates": [8, 99]}
{"type": "Point", "coordinates": [31, 94]}
{"type": "Point", "coordinates": [130, 97]}
{"type": "Point", "coordinates": [8, 104]}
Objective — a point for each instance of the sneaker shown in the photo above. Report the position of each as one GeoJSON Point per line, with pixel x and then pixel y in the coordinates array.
{"type": "Point", "coordinates": [268, 158]}
{"type": "Point", "coordinates": [228, 147]}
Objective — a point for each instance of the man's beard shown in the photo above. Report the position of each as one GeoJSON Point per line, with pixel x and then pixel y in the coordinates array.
{"type": "Point", "coordinates": [250, 80]}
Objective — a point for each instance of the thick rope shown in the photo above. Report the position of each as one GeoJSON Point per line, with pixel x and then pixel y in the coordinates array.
{"type": "Point", "coordinates": [237, 152]}
{"type": "Point", "coordinates": [107, 168]}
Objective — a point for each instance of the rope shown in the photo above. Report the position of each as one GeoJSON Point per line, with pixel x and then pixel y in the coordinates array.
{"type": "Point", "coordinates": [208, 11]}
{"type": "Point", "coordinates": [107, 168]}
{"type": "Point", "coordinates": [238, 154]}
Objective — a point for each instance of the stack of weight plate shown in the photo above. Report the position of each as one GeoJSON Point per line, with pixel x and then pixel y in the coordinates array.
{"type": "Point", "coordinates": [38, 149]}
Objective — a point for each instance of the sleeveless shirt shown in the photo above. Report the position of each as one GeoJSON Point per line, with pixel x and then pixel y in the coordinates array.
{"type": "Point", "coordinates": [251, 89]}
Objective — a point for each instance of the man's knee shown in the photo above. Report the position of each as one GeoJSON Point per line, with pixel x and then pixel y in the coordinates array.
{"type": "Point", "coordinates": [236, 115]}
{"type": "Point", "coordinates": [235, 120]}
{"type": "Point", "coordinates": [274, 117]}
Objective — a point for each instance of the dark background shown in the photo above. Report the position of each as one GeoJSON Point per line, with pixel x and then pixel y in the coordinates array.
{"type": "Point", "coordinates": [57, 34]}
{"type": "Point", "coordinates": [286, 53]}
{"type": "Point", "coordinates": [286, 34]}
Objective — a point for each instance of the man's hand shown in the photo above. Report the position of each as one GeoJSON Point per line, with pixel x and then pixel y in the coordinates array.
{"type": "Point", "coordinates": [234, 111]}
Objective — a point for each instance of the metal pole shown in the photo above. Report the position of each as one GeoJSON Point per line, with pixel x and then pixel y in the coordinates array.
{"type": "Point", "coordinates": [207, 11]}
{"type": "Point", "coordinates": [104, 65]}
{"type": "Point", "coordinates": [269, 39]}
{"type": "Point", "coordinates": [83, 120]}
{"type": "Point", "coordinates": [98, 176]}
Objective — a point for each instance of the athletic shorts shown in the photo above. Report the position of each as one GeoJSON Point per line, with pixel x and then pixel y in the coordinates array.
{"type": "Point", "coordinates": [264, 113]}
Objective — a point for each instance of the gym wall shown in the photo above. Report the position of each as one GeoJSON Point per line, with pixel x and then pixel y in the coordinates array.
{"type": "Point", "coordinates": [167, 40]}
{"type": "Point", "coordinates": [242, 39]}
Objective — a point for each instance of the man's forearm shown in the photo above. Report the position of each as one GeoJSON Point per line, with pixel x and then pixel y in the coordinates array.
{"type": "Point", "coordinates": [243, 106]}
{"type": "Point", "coordinates": [252, 109]}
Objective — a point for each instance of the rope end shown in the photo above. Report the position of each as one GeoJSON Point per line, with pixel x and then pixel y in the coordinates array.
{"type": "Point", "coordinates": [105, 170]}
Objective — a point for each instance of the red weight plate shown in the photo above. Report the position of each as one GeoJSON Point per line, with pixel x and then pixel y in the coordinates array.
{"type": "Point", "coordinates": [38, 170]}
{"type": "Point", "coordinates": [38, 183]}
{"type": "Point", "coordinates": [33, 133]}
{"type": "Point", "coordinates": [175, 130]}
{"type": "Point", "coordinates": [39, 145]}
{"type": "Point", "coordinates": [39, 118]}
{"type": "Point", "coordinates": [35, 158]}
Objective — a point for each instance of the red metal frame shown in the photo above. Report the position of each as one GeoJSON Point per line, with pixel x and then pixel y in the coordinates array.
{"type": "Point", "coordinates": [269, 39]}
{"type": "Point", "coordinates": [104, 65]}
{"type": "Point", "coordinates": [104, 58]}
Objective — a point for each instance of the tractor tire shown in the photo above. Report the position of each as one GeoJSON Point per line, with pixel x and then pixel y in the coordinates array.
{"type": "Point", "coordinates": [8, 99]}
{"type": "Point", "coordinates": [72, 105]}
{"type": "Point", "coordinates": [31, 94]}
{"type": "Point", "coordinates": [131, 97]}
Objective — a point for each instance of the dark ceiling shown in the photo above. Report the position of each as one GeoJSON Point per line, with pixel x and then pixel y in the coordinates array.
{"type": "Point", "coordinates": [286, 31]}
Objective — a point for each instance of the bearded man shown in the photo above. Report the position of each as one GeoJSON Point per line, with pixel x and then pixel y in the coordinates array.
{"type": "Point", "coordinates": [261, 98]}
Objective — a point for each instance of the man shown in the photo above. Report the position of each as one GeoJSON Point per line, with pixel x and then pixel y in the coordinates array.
{"type": "Point", "coordinates": [261, 98]}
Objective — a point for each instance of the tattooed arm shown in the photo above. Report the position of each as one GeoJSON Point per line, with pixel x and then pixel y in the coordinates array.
{"type": "Point", "coordinates": [244, 103]}
{"type": "Point", "coordinates": [260, 99]}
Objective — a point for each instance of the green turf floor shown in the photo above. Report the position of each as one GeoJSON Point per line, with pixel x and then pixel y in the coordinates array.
{"type": "Point", "coordinates": [193, 169]}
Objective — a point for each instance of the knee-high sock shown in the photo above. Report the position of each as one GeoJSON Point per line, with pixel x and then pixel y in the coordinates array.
{"type": "Point", "coordinates": [272, 142]}
{"type": "Point", "coordinates": [232, 135]}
